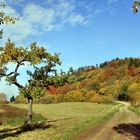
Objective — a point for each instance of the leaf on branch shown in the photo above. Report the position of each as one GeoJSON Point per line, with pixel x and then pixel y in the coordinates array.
{"type": "Point", "coordinates": [135, 6]}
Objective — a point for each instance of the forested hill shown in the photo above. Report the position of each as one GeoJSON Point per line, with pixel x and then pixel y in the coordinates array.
{"type": "Point", "coordinates": [118, 79]}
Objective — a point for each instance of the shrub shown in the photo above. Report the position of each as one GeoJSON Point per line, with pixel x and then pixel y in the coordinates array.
{"type": "Point", "coordinates": [59, 98]}
{"type": "Point", "coordinates": [123, 93]}
{"type": "Point", "coordinates": [20, 99]}
{"type": "Point", "coordinates": [94, 86]}
{"type": "Point", "coordinates": [81, 78]}
{"type": "Point", "coordinates": [101, 99]}
{"type": "Point", "coordinates": [48, 99]}
{"type": "Point", "coordinates": [67, 88]}
{"type": "Point", "coordinates": [135, 98]}
{"type": "Point", "coordinates": [72, 79]}
{"type": "Point", "coordinates": [52, 89]}
{"type": "Point", "coordinates": [89, 94]}
{"type": "Point", "coordinates": [85, 83]}
{"type": "Point", "coordinates": [75, 96]}
{"type": "Point", "coordinates": [135, 87]}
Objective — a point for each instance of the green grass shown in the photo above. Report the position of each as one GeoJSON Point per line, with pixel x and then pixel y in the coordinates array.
{"type": "Point", "coordinates": [135, 109]}
{"type": "Point", "coordinates": [72, 119]}
{"type": "Point", "coordinates": [18, 121]}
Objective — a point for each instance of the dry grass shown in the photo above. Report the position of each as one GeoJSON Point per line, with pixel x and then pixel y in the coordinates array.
{"type": "Point", "coordinates": [69, 119]}
{"type": "Point", "coordinates": [14, 116]}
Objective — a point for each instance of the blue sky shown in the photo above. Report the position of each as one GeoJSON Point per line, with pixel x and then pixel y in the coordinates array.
{"type": "Point", "coordinates": [84, 32]}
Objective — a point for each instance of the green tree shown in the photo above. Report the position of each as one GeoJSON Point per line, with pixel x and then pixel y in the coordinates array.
{"type": "Point", "coordinates": [12, 99]}
{"type": "Point", "coordinates": [38, 58]}
{"type": "Point", "coordinates": [123, 92]}
{"type": "Point", "coordinates": [70, 71]}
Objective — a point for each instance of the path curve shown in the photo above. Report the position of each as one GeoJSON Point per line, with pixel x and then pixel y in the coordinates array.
{"type": "Point", "coordinates": [124, 125]}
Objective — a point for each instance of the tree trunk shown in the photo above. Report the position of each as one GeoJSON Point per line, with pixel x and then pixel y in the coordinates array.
{"type": "Point", "coordinates": [30, 112]}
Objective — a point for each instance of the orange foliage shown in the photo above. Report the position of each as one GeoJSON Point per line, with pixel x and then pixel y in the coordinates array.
{"type": "Point", "coordinates": [67, 88]}
{"type": "Point", "coordinates": [52, 89]}
{"type": "Point", "coordinates": [101, 99]}
{"type": "Point", "coordinates": [132, 71]}
{"type": "Point", "coordinates": [87, 82]}
{"type": "Point", "coordinates": [113, 64]}
{"type": "Point", "coordinates": [107, 73]}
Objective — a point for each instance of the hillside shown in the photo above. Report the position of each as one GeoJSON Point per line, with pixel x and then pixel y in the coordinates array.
{"type": "Point", "coordinates": [118, 79]}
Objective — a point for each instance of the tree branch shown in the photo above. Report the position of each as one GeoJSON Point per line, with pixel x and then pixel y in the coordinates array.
{"type": "Point", "coordinates": [18, 85]}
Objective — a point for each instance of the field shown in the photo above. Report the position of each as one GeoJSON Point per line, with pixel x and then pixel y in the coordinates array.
{"type": "Point", "coordinates": [68, 120]}
{"type": "Point", "coordinates": [135, 109]}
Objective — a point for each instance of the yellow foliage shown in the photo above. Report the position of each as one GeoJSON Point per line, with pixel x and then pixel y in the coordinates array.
{"type": "Point", "coordinates": [101, 99]}
{"type": "Point", "coordinates": [135, 98]}
{"type": "Point", "coordinates": [75, 96]}
{"type": "Point", "coordinates": [134, 87]}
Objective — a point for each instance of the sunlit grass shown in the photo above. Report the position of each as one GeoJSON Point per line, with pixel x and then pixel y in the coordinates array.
{"type": "Point", "coordinates": [69, 119]}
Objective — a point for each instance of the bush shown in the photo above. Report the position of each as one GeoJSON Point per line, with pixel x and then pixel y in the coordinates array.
{"type": "Point", "coordinates": [21, 99]}
{"type": "Point", "coordinates": [81, 78]}
{"type": "Point", "coordinates": [89, 94]}
{"type": "Point", "coordinates": [48, 99]}
{"type": "Point", "coordinates": [85, 83]}
{"type": "Point", "coordinates": [101, 99]}
{"type": "Point", "coordinates": [133, 88]}
{"type": "Point", "coordinates": [67, 88]}
{"type": "Point", "coordinates": [135, 98]}
{"type": "Point", "coordinates": [59, 98]}
{"type": "Point", "coordinates": [94, 86]}
{"type": "Point", "coordinates": [75, 96]}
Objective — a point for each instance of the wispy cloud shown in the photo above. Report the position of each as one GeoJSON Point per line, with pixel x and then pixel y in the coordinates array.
{"type": "Point", "coordinates": [37, 19]}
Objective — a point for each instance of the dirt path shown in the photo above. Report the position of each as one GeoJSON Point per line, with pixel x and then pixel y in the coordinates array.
{"type": "Point", "coordinates": [124, 125]}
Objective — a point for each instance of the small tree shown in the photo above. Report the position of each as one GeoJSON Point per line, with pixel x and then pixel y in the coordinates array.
{"type": "Point", "coordinates": [123, 92]}
{"type": "Point", "coordinates": [12, 99]}
{"type": "Point", "coordinates": [41, 62]}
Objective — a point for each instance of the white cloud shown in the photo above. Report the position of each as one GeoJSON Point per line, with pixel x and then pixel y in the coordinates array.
{"type": "Point", "coordinates": [36, 20]}
{"type": "Point", "coordinates": [40, 18]}
{"type": "Point", "coordinates": [76, 19]}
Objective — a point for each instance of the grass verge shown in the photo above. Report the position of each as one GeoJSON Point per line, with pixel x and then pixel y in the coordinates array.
{"type": "Point", "coordinates": [135, 109]}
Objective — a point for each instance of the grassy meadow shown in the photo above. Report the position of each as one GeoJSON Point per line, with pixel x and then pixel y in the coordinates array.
{"type": "Point", "coordinates": [68, 120]}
